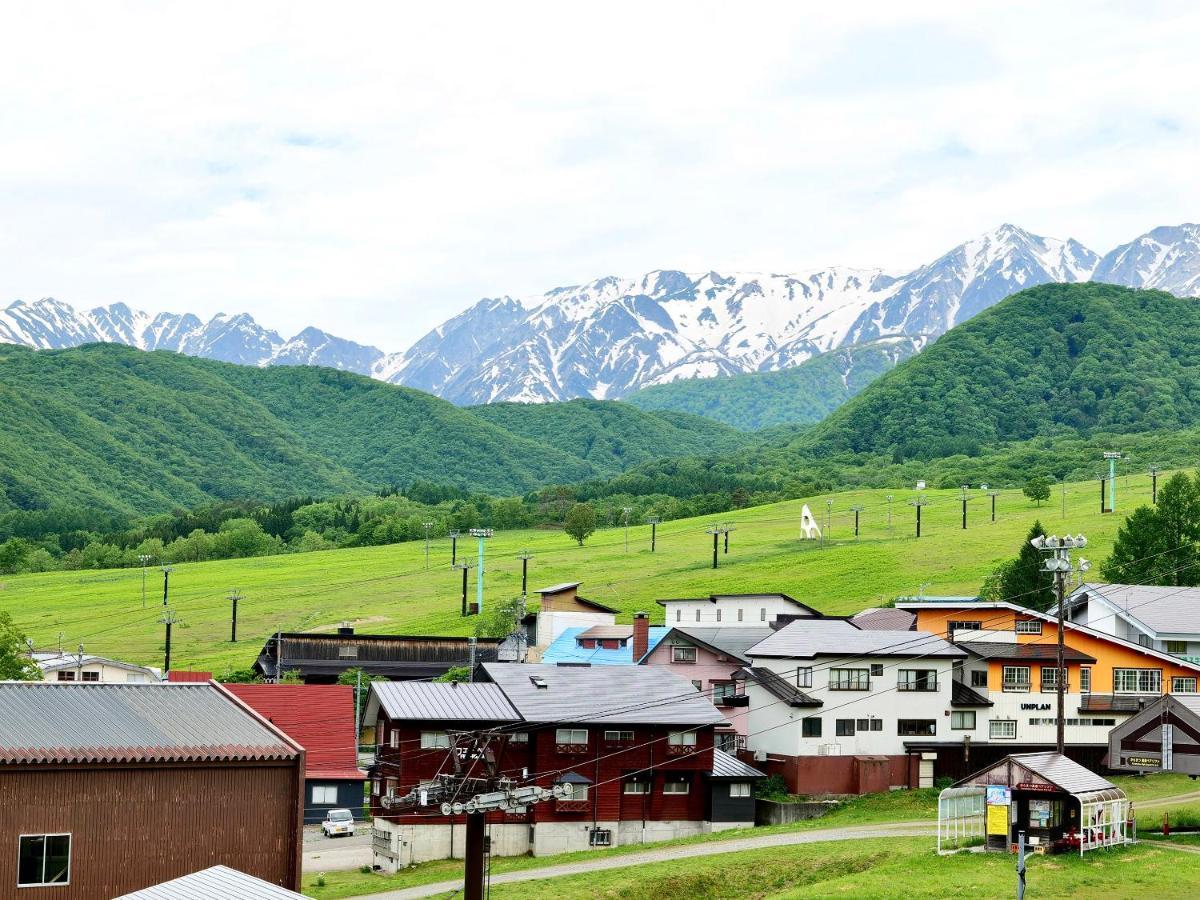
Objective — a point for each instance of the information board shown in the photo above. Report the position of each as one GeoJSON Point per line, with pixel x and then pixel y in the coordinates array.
{"type": "Point", "coordinates": [997, 820]}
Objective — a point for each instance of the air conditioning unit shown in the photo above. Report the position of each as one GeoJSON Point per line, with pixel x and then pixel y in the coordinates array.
{"type": "Point", "coordinates": [829, 750]}
{"type": "Point", "coordinates": [600, 837]}
{"type": "Point", "coordinates": [760, 755]}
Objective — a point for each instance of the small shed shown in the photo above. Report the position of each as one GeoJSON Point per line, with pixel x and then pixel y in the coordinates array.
{"type": "Point", "coordinates": [1163, 737]}
{"type": "Point", "coordinates": [1057, 803]}
{"type": "Point", "coordinates": [213, 882]}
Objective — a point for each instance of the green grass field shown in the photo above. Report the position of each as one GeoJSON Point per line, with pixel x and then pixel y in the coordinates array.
{"type": "Point", "coordinates": [387, 589]}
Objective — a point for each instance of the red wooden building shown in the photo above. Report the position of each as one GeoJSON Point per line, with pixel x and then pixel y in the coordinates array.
{"type": "Point", "coordinates": [635, 745]}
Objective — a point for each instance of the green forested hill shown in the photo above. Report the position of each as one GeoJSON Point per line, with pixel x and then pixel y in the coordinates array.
{"type": "Point", "coordinates": [613, 436]}
{"type": "Point", "coordinates": [798, 396]}
{"type": "Point", "coordinates": [1052, 360]}
{"type": "Point", "coordinates": [113, 428]}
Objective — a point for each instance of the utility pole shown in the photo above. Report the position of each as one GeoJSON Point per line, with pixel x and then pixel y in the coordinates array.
{"type": "Point", "coordinates": [993, 494]}
{"type": "Point", "coordinates": [857, 510]}
{"type": "Point", "coordinates": [166, 576]}
{"type": "Point", "coordinates": [427, 526]}
{"type": "Point", "coordinates": [466, 567]}
{"type": "Point", "coordinates": [1064, 495]}
{"type": "Point", "coordinates": [965, 488]}
{"type": "Point", "coordinates": [1103, 494]}
{"type": "Point", "coordinates": [725, 530]}
{"type": "Point", "coordinates": [1059, 565]}
{"type": "Point", "coordinates": [144, 558]}
{"type": "Point", "coordinates": [715, 531]}
{"type": "Point", "coordinates": [889, 499]}
{"type": "Point", "coordinates": [234, 597]}
{"type": "Point", "coordinates": [828, 516]}
{"type": "Point", "coordinates": [1154, 485]}
{"type": "Point", "coordinates": [454, 546]}
{"type": "Point", "coordinates": [918, 503]}
{"type": "Point", "coordinates": [79, 664]}
{"type": "Point", "coordinates": [654, 521]}
{"type": "Point", "coordinates": [483, 534]}
{"type": "Point", "coordinates": [626, 510]}
{"type": "Point", "coordinates": [168, 619]}
{"type": "Point", "coordinates": [525, 556]}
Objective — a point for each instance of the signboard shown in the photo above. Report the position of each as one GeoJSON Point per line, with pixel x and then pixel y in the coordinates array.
{"type": "Point", "coordinates": [1145, 762]}
{"type": "Point", "coordinates": [1168, 746]}
{"type": "Point", "coordinates": [997, 819]}
{"type": "Point", "coordinates": [998, 795]}
{"type": "Point", "coordinates": [1037, 706]}
{"type": "Point", "coordinates": [1035, 786]}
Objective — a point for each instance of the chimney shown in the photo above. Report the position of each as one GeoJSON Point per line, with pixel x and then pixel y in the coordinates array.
{"type": "Point", "coordinates": [641, 635]}
{"type": "Point", "coordinates": [345, 630]}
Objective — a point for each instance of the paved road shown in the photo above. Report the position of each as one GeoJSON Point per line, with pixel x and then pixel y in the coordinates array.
{"type": "Point", "coordinates": [1194, 796]}
{"type": "Point", "coordinates": [712, 848]}
{"type": "Point", "coordinates": [325, 854]}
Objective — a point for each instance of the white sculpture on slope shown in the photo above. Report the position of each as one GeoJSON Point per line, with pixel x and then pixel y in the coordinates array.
{"type": "Point", "coordinates": [808, 525]}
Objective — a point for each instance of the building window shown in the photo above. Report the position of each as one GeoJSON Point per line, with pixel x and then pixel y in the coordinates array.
{"type": "Point", "coordinates": [618, 736]}
{"type": "Point", "coordinates": [1085, 680]}
{"type": "Point", "coordinates": [683, 654]}
{"type": "Point", "coordinates": [1028, 626]}
{"type": "Point", "coordinates": [962, 720]}
{"type": "Point", "coordinates": [633, 786]}
{"type": "Point", "coordinates": [573, 791]}
{"type": "Point", "coordinates": [519, 737]}
{"type": "Point", "coordinates": [877, 724]}
{"type": "Point", "coordinates": [916, 727]}
{"type": "Point", "coordinates": [1017, 678]}
{"type": "Point", "coordinates": [66, 676]}
{"type": "Point", "coordinates": [804, 676]}
{"type": "Point", "coordinates": [43, 859]}
{"type": "Point", "coordinates": [740, 611]}
{"type": "Point", "coordinates": [1137, 681]}
{"type": "Point", "coordinates": [1050, 679]}
{"type": "Point", "coordinates": [325, 793]}
{"type": "Point", "coordinates": [876, 670]}
{"type": "Point", "coordinates": [697, 615]}
{"type": "Point", "coordinates": [570, 736]}
{"type": "Point", "coordinates": [676, 787]}
{"type": "Point", "coordinates": [718, 615]}
{"type": "Point", "coordinates": [90, 676]}
{"type": "Point", "coordinates": [722, 689]}
{"type": "Point", "coordinates": [679, 615]}
{"type": "Point", "coordinates": [394, 737]}
{"type": "Point", "coordinates": [916, 680]}
{"type": "Point", "coordinates": [1002, 729]}
{"type": "Point", "coordinates": [762, 614]}
{"type": "Point", "coordinates": [862, 724]}
{"type": "Point", "coordinates": [979, 678]}
{"type": "Point", "coordinates": [739, 789]}
{"type": "Point", "coordinates": [431, 740]}
{"type": "Point", "coordinates": [1144, 640]}
{"type": "Point", "coordinates": [1178, 648]}
{"type": "Point", "coordinates": [810, 727]}
{"type": "Point", "coordinates": [375, 786]}
{"type": "Point", "coordinates": [347, 651]}
{"type": "Point", "coordinates": [698, 685]}
{"type": "Point", "coordinates": [849, 679]}
{"type": "Point", "coordinates": [682, 739]}
{"type": "Point", "coordinates": [955, 625]}
{"type": "Point", "coordinates": [1183, 685]}
{"type": "Point", "coordinates": [843, 727]}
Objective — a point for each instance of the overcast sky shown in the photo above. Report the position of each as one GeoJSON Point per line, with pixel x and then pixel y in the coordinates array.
{"type": "Point", "coordinates": [372, 169]}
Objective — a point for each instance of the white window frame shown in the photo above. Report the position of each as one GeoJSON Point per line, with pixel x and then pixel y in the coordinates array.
{"type": "Point", "coordinates": [519, 737]}
{"type": "Point", "coordinates": [1031, 626]}
{"type": "Point", "coordinates": [959, 716]}
{"type": "Point", "coordinates": [681, 739]}
{"type": "Point", "coordinates": [722, 689]}
{"type": "Point", "coordinates": [1050, 686]}
{"type": "Point", "coordinates": [375, 785]}
{"type": "Point", "coordinates": [676, 658]}
{"type": "Point", "coordinates": [672, 787]}
{"type": "Point", "coordinates": [434, 740]}
{"type": "Point", "coordinates": [393, 737]}
{"type": "Point", "coordinates": [324, 789]}
{"type": "Point", "coordinates": [1014, 686]}
{"type": "Point", "coordinates": [618, 735]}
{"type": "Point", "coordinates": [1183, 652]}
{"type": "Point", "coordinates": [739, 789]}
{"type": "Point", "coordinates": [1085, 679]}
{"type": "Point", "coordinates": [993, 732]}
{"type": "Point", "coordinates": [570, 736]}
{"type": "Point", "coordinates": [45, 856]}
{"type": "Point", "coordinates": [633, 786]}
{"type": "Point", "coordinates": [844, 678]}
{"type": "Point", "coordinates": [1176, 679]}
{"type": "Point", "coordinates": [1152, 675]}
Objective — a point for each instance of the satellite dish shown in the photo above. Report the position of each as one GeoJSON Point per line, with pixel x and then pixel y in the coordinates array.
{"type": "Point", "coordinates": [809, 529]}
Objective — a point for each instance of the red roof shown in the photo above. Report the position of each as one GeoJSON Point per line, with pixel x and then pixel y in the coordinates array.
{"type": "Point", "coordinates": [177, 676]}
{"type": "Point", "coordinates": [319, 717]}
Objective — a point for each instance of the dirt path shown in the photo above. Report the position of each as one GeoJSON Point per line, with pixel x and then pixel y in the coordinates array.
{"type": "Point", "coordinates": [711, 848]}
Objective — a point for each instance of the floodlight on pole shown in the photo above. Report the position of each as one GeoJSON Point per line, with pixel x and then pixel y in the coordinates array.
{"type": "Point", "coordinates": [1112, 456]}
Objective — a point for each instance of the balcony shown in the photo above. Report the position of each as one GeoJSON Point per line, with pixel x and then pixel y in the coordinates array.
{"type": "Point", "coordinates": [681, 749]}
{"type": "Point", "coordinates": [573, 806]}
{"type": "Point", "coordinates": [923, 686]}
{"type": "Point", "coordinates": [732, 700]}
{"type": "Point", "coordinates": [571, 748]}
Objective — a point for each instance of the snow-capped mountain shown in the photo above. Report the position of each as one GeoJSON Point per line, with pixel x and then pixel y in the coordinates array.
{"type": "Point", "coordinates": [614, 335]}
{"type": "Point", "coordinates": [50, 324]}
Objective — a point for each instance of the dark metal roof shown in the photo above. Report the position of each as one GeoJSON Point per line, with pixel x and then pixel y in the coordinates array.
{"type": "Point", "coordinates": [885, 619]}
{"type": "Point", "coordinates": [398, 655]}
{"type": "Point", "coordinates": [778, 687]}
{"type": "Point", "coordinates": [1005, 651]}
{"type": "Point", "coordinates": [631, 695]}
{"type": "Point", "coordinates": [217, 882]}
{"type": "Point", "coordinates": [732, 641]}
{"type": "Point", "coordinates": [808, 638]}
{"type": "Point", "coordinates": [1116, 702]}
{"type": "Point", "coordinates": [961, 695]}
{"type": "Point", "coordinates": [420, 700]}
{"type": "Point", "coordinates": [728, 766]}
{"type": "Point", "coordinates": [1054, 768]}
{"type": "Point", "coordinates": [76, 723]}
{"type": "Point", "coordinates": [606, 632]}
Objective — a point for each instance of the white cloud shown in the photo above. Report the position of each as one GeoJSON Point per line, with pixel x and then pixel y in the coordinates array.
{"type": "Point", "coordinates": [373, 168]}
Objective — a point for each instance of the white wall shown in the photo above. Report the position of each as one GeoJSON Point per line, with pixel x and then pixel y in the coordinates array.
{"type": "Point", "coordinates": [757, 612]}
{"type": "Point", "coordinates": [1022, 707]}
{"type": "Point", "coordinates": [553, 623]}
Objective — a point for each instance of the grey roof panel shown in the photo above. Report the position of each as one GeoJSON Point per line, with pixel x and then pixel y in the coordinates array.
{"type": "Point", "coordinates": [732, 641]}
{"type": "Point", "coordinates": [886, 619]}
{"type": "Point", "coordinates": [1063, 771]}
{"type": "Point", "coordinates": [808, 638]}
{"type": "Point", "coordinates": [727, 766]}
{"type": "Point", "coordinates": [85, 722]}
{"type": "Point", "coordinates": [1165, 610]}
{"type": "Point", "coordinates": [418, 700]}
{"type": "Point", "coordinates": [630, 695]}
{"type": "Point", "coordinates": [1007, 650]}
{"type": "Point", "coordinates": [216, 882]}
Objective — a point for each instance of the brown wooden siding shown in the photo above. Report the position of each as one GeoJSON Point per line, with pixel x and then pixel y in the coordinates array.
{"type": "Point", "coordinates": [132, 827]}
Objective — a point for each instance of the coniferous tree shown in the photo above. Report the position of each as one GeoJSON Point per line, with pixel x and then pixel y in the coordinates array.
{"type": "Point", "coordinates": [1022, 580]}
{"type": "Point", "coordinates": [1157, 545]}
{"type": "Point", "coordinates": [1137, 555]}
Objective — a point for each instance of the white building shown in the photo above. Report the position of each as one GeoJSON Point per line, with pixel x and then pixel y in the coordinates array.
{"type": "Point", "coordinates": [562, 608]}
{"type": "Point", "coordinates": [1160, 618]}
{"type": "Point", "coordinates": [731, 610]}
{"type": "Point", "coordinates": [59, 666]}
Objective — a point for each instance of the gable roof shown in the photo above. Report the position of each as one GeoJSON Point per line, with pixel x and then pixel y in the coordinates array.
{"type": "Point", "coordinates": [733, 641]}
{"type": "Point", "coordinates": [43, 722]}
{"type": "Point", "coordinates": [1162, 610]}
{"type": "Point", "coordinates": [565, 649]}
{"type": "Point", "coordinates": [631, 695]}
{"type": "Point", "coordinates": [558, 588]}
{"type": "Point", "coordinates": [885, 619]}
{"type": "Point", "coordinates": [1046, 617]}
{"type": "Point", "coordinates": [51, 662]}
{"type": "Point", "coordinates": [423, 700]}
{"type": "Point", "coordinates": [1060, 771]}
{"type": "Point", "coordinates": [717, 598]}
{"type": "Point", "coordinates": [217, 881]}
{"type": "Point", "coordinates": [808, 638]}
{"type": "Point", "coordinates": [318, 717]}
